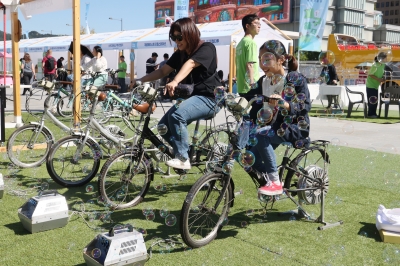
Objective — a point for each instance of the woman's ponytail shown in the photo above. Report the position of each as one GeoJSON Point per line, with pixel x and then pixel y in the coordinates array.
{"type": "Point", "coordinates": [292, 63]}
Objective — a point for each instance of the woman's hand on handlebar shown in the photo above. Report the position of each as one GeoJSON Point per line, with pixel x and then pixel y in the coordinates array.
{"type": "Point", "coordinates": [170, 87]}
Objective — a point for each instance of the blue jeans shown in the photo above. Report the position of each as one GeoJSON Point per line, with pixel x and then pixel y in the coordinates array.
{"type": "Point", "coordinates": [177, 120]}
{"type": "Point", "coordinates": [265, 154]}
{"type": "Point", "coordinates": [121, 83]}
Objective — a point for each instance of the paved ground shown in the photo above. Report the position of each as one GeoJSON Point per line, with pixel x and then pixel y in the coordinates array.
{"type": "Point", "coordinates": [381, 137]}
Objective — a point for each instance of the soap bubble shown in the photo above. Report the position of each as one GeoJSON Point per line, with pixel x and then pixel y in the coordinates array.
{"type": "Point", "coordinates": [219, 93]}
{"type": "Point", "coordinates": [391, 255]}
{"type": "Point", "coordinates": [335, 142]}
{"type": "Point", "coordinates": [373, 100]}
{"type": "Point", "coordinates": [247, 159]}
{"type": "Point", "coordinates": [162, 129]}
{"type": "Point", "coordinates": [264, 115]}
{"type": "Point", "coordinates": [259, 99]}
{"type": "Point", "coordinates": [326, 58]}
{"type": "Point", "coordinates": [295, 77]}
{"type": "Point", "coordinates": [44, 186]}
{"type": "Point", "coordinates": [250, 212]}
{"type": "Point", "coordinates": [289, 92]}
{"type": "Point", "coordinates": [177, 103]}
{"type": "Point", "coordinates": [275, 47]}
{"type": "Point", "coordinates": [244, 224]}
{"type": "Point", "coordinates": [150, 216]}
{"type": "Point", "coordinates": [89, 188]}
{"type": "Point", "coordinates": [284, 126]}
{"type": "Point", "coordinates": [292, 218]}
{"type": "Point", "coordinates": [146, 210]}
{"type": "Point", "coordinates": [299, 144]}
{"type": "Point", "coordinates": [287, 119]}
{"type": "Point", "coordinates": [172, 138]}
{"type": "Point", "coordinates": [363, 233]}
{"type": "Point", "coordinates": [280, 132]}
{"type": "Point", "coordinates": [302, 125]}
{"type": "Point", "coordinates": [324, 77]}
{"type": "Point", "coordinates": [284, 112]}
{"type": "Point", "coordinates": [164, 212]}
{"type": "Point", "coordinates": [227, 168]}
{"type": "Point", "coordinates": [268, 59]}
{"type": "Point", "coordinates": [301, 97]}
{"type": "Point", "coordinates": [385, 56]}
{"type": "Point", "coordinates": [276, 79]}
{"type": "Point", "coordinates": [170, 220]}
{"type": "Point", "coordinates": [96, 253]}
{"type": "Point", "coordinates": [252, 141]}
{"type": "Point", "coordinates": [162, 148]}
{"type": "Point", "coordinates": [348, 128]}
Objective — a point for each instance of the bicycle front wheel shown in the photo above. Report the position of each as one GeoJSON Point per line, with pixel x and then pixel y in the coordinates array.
{"type": "Point", "coordinates": [28, 146]}
{"type": "Point", "coordinates": [72, 163]}
{"type": "Point", "coordinates": [200, 220]}
{"type": "Point", "coordinates": [124, 180]}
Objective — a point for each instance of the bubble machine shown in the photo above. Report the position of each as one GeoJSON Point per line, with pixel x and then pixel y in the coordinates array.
{"type": "Point", "coordinates": [1, 186]}
{"type": "Point", "coordinates": [124, 246]}
{"type": "Point", "coordinates": [46, 211]}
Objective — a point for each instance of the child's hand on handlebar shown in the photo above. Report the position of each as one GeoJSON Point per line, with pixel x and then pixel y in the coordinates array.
{"type": "Point", "coordinates": [274, 102]}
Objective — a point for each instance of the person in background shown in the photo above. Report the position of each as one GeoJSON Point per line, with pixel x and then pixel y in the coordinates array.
{"type": "Point", "coordinates": [333, 81]}
{"type": "Point", "coordinates": [166, 79]}
{"type": "Point", "coordinates": [28, 72]}
{"type": "Point", "coordinates": [374, 80]}
{"type": "Point", "coordinates": [221, 77]}
{"type": "Point", "coordinates": [247, 55]}
{"type": "Point", "coordinates": [61, 73]}
{"type": "Point", "coordinates": [60, 62]}
{"type": "Point", "coordinates": [98, 64]}
{"type": "Point", "coordinates": [151, 63]}
{"type": "Point", "coordinates": [49, 65]}
{"type": "Point", "coordinates": [85, 59]}
{"type": "Point", "coordinates": [122, 67]}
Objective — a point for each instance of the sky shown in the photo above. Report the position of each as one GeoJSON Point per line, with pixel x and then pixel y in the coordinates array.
{"type": "Point", "coordinates": [135, 14]}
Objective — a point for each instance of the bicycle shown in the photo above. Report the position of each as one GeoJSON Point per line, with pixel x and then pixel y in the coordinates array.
{"type": "Point", "coordinates": [206, 206]}
{"type": "Point", "coordinates": [126, 176]}
{"type": "Point", "coordinates": [75, 160]}
{"type": "Point", "coordinates": [29, 145]}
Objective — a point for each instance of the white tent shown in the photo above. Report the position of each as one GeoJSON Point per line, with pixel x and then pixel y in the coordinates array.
{"type": "Point", "coordinates": [221, 34]}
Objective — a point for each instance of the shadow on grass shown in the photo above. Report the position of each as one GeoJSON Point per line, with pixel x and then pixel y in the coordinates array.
{"type": "Point", "coordinates": [17, 228]}
{"type": "Point", "coordinates": [371, 231]}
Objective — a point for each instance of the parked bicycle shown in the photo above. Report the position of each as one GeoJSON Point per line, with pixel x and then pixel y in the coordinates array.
{"type": "Point", "coordinates": [126, 176]}
{"type": "Point", "coordinates": [207, 204]}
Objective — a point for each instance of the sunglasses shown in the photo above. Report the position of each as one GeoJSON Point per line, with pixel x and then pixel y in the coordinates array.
{"type": "Point", "coordinates": [176, 37]}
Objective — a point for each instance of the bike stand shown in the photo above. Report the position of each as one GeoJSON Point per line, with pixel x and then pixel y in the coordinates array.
{"type": "Point", "coordinates": [303, 213]}
{"type": "Point", "coordinates": [168, 174]}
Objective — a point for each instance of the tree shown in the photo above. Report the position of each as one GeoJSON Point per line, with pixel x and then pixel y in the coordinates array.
{"type": "Point", "coordinates": [307, 55]}
{"type": "Point", "coordinates": [83, 30]}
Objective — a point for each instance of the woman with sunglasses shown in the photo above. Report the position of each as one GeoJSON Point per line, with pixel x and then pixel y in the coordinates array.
{"type": "Point", "coordinates": [285, 113]}
{"type": "Point", "coordinates": [196, 63]}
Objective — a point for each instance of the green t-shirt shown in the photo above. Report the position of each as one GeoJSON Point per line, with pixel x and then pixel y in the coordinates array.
{"type": "Point", "coordinates": [246, 51]}
{"type": "Point", "coordinates": [377, 69]}
{"type": "Point", "coordinates": [122, 74]}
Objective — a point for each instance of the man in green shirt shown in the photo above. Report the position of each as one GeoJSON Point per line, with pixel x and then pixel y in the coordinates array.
{"type": "Point", "coordinates": [374, 80]}
{"type": "Point", "coordinates": [122, 73]}
{"type": "Point", "coordinates": [247, 73]}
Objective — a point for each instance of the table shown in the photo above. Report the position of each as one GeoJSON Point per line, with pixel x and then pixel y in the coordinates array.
{"type": "Point", "coordinates": [319, 92]}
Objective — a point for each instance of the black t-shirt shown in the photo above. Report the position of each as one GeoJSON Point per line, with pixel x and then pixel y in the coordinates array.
{"type": "Point", "coordinates": [204, 77]}
{"type": "Point", "coordinates": [150, 64]}
{"type": "Point", "coordinates": [59, 63]}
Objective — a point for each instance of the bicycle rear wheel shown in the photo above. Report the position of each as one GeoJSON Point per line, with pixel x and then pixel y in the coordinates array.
{"type": "Point", "coordinates": [67, 168]}
{"type": "Point", "coordinates": [123, 181]}
{"type": "Point", "coordinates": [199, 220]}
{"type": "Point", "coordinates": [27, 147]}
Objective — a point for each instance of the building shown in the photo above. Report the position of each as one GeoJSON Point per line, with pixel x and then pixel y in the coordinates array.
{"type": "Point", "coordinates": [203, 11]}
{"type": "Point", "coordinates": [358, 18]}
{"type": "Point", "coordinates": [390, 11]}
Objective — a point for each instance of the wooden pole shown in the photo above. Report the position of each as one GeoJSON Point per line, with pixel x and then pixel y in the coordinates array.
{"type": "Point", "coordinates": [132, 67]}
{"type": "Point", "coordinates": [76, 63]}
{"type": "Point", "coordinates": [16, 68]}
{"type": "Point", "coordinates": [231, 65]}
{"type": "Point", "coordinates": [69, 65]}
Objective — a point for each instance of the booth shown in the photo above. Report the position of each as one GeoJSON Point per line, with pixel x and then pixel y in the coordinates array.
{"type": "Point", "coordinates": [9, 78]}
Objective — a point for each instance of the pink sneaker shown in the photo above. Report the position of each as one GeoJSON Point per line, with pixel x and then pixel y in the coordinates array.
{"type": "Point", "coordinates": [271, 189]}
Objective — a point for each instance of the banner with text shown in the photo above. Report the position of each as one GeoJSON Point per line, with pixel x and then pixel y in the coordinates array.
{"type": "Point", "coordinates": [181, 9]}
{"type": "Point", "coordinates": [312, 24]}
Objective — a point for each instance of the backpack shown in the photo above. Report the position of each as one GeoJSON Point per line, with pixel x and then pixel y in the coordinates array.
{"type": "Point", "coordinates": [50, 63]}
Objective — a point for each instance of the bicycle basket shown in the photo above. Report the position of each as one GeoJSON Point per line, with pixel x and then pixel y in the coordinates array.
{"type": "Point", "coordinates": [47, 85]}
{"type": "Point", "coordinates": [148, 93]}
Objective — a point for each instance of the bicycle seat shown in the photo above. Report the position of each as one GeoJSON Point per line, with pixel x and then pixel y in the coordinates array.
{"type": "Point", "coordinates": [143, 108]}
{"type": "Point", "coordinates": [65, 82]}
{"type": "Point", "coordinates": [113, 87]}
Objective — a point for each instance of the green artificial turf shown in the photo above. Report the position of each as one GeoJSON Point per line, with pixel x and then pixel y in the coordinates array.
{"type": "Point", "coordinates": [360, 180]}
{"type": "Point", "coordinates": [320, 111]}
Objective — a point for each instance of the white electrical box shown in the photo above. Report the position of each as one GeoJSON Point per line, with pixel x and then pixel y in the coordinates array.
{"type": "Point", "coordinates": [48, 210]}
{"type": "Point", "coordinates": [123, 246]}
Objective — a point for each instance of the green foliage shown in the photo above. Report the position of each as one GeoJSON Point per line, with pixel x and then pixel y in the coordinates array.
{"type": "Point", "coordinates": [307, 55]}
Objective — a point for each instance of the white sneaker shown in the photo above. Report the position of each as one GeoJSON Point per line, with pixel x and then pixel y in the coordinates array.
{"type": "Point", "coordinates": [176, 163]}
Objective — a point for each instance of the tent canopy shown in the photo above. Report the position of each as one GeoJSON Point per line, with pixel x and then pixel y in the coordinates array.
{"type": "Point", "coordinates": [219, 33]}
